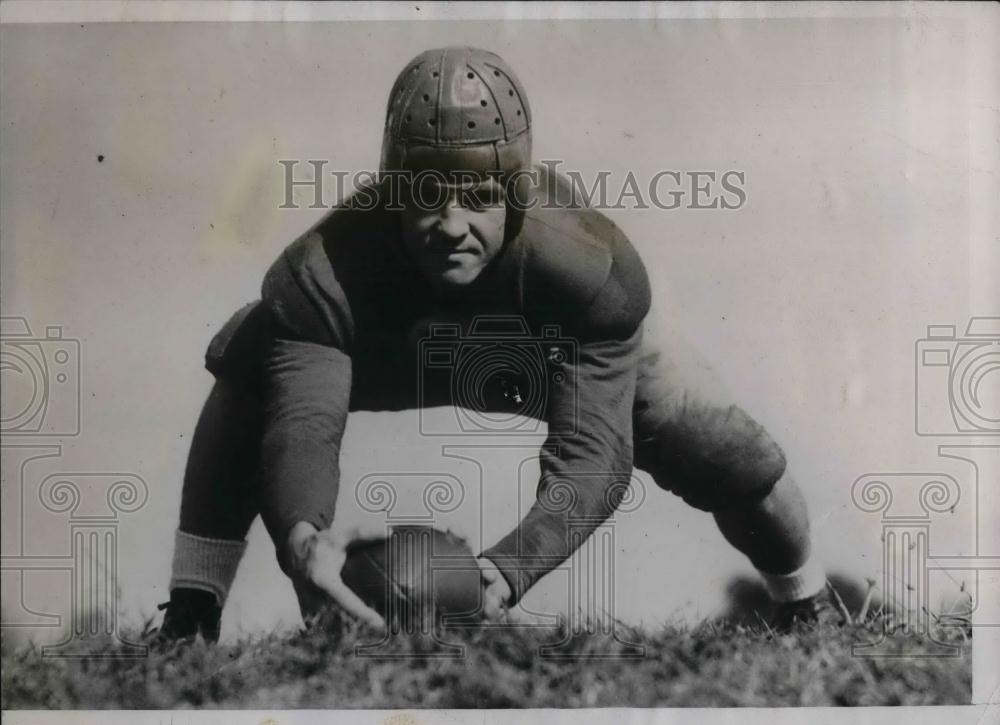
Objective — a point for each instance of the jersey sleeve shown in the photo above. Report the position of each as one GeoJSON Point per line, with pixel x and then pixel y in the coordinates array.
{"type": "Point", "coordinates": [306, 379]}
{"type": "Point", "coordinates": [304, 298]}
{"type": "Point", "coordinates": [586, 460]}
{"type": "Point", "coordinates": [307, 391]}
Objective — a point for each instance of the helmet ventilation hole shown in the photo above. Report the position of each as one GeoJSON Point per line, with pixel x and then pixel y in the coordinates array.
{"type": "Point", "coordinates": [466, 101]}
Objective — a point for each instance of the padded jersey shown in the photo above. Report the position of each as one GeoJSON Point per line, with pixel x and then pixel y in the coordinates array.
{"type": "Point", "coordinates": [346, 312]}
{"type": "Point", "coordinates": [349, 277]}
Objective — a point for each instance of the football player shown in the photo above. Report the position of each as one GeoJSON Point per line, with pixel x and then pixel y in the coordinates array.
{"type": "Point", "coordinates": [459, 226]}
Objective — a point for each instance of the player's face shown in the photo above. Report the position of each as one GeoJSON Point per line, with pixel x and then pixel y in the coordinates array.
{"type": "Point", "coordinates": [453, 233]}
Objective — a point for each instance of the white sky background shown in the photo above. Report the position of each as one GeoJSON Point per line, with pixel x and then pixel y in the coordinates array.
{"type": "Point", "coordinates": [860, 172]}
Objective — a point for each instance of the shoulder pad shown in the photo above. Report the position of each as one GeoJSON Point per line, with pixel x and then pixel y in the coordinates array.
{"type": "Point", "coordinates": [304, 297]}
{"type": "Point", "coordinates": [624, 300]}
{"type": "Point", "coordinates": [581, 271]}
{"type": "Point", "coordinates": [563, 260]}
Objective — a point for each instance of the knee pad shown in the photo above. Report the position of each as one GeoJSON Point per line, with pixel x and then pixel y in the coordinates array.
{"type": "Point", "coordinates": [713, 460]}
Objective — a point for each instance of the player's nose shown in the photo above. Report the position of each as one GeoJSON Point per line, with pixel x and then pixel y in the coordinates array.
{"type": "Point", "coordinates": [453, 222]}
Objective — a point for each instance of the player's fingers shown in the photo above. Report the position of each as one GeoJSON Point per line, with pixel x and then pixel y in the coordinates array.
{"type": "Point", "coordinates": [493, 606]}
{"type": "Point", "coordinates": [489, 576]}
{"type": "Point", "coordinates": [496, 585]}
{"type": "Point", "coordinates": [352, 603]}
{"type": "Point", "coordinates": [488, 569]}
{"type": "Point", "coordinates": [492, 611]}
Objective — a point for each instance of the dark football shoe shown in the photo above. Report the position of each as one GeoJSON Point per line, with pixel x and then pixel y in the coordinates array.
{"type": "Point", "coordinates": [189, 613]}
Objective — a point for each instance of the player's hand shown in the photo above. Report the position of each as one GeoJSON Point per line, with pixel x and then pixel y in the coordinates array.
{"type": "Point", "coordinates": [497, 593]}
{"type": "Point", "coordinates": [314, 560]}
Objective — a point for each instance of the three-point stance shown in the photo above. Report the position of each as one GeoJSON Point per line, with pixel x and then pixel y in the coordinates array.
{"type": "Point", "coordinates": [337, 329]}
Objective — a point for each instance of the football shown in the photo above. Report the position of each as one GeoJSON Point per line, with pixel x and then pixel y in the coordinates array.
{"type": "Point", "coordinates": [418, 576]}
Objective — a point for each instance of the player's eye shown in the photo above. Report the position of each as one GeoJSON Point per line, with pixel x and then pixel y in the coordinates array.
{"type": "Point", "coordinates": [428, 195]}
{"type": "Point", "coordinates": [481, 198]}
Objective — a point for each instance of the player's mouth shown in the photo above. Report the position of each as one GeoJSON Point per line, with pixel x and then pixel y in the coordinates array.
{"type": "Point", "coordinates": [448, 252]}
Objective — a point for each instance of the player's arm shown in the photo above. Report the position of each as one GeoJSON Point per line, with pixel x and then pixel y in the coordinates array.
{"type": "Point", "coordinates": [307, 388]}
{"type": "Point", "coordinates": [586, 461]}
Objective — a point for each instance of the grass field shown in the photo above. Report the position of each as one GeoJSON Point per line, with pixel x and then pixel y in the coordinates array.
{"type": "Point", "coordinates": [712, 664]}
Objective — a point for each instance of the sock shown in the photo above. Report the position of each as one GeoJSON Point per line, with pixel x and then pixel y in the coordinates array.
{"type": "Point", "coordinates": [806, 581]}
{"type": "Point", "coordinates": [206, 564]}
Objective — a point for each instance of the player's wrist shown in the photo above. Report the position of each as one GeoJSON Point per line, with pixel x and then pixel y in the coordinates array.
{"type": "Point", "coordinates": [297, 549]}
{"type": "Point", "coordinates": [494, 579]}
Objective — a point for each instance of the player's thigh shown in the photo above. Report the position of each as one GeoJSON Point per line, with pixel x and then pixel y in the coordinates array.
{"type": "Point", "coordinates": [221, 496]}
{"type": "Point", "coordinates": [691, 435]}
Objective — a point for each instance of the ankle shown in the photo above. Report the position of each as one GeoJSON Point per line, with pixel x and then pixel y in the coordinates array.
{"type": "Point", "coordinates": [204, 564]}
{"type": "Point", "coordinates": [193, 598]}
{"type": "Point", "coordinates": [802, 583]}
